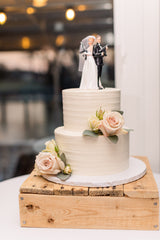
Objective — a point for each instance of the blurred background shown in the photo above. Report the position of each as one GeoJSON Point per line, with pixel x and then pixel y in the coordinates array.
{"type": "Point", "coordinates": [39, 42]}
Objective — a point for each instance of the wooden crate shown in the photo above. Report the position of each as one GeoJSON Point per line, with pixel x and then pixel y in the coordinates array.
{"type": "Point", "coordinates": [131, 206]}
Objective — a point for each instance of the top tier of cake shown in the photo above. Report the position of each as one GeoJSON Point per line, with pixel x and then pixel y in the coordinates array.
{"type": "Point", "coordinates": [79, 105]}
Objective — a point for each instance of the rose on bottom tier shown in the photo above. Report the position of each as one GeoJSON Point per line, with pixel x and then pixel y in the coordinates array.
{"type": "Point", "coordinates": [53, 162]}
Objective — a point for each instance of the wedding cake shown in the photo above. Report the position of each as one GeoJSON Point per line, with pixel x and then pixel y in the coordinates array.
{"type": "Point", "coordinates": [92, 148]}
{"type": "Point", "coordinates": [94, 156]}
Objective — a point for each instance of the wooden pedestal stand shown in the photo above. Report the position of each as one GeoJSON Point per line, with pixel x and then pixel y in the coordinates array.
{"type": "Point", "coordinates": [131, 206]}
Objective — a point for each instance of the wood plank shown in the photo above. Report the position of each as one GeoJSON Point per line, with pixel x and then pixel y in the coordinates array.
{"type": "Point", "coordinates": [37, 185]}
{"type": "Point", "coordinates": [80, 191]}
{"type": "Point", "coordinates": [60, 189]}
{"type": "Point", "coordinates": [145, 187]}
{"type": "Point", "coordinates": [88, 212]}
{"type": "Point", "coordinates": [116, 191]}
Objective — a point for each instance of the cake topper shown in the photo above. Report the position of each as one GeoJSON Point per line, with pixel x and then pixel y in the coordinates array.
{"type": "Point", "coordinates": [98, 53]}
{"type": "Point", "coordinates": [91, 62]}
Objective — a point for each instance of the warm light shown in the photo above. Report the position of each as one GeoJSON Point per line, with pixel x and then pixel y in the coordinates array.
{"type": "Point", "coordinates": [30, 10]}
{"type": "Point", "coordinates": [39, 3]}
{"type": "Point", "coordinates": [3, 18]}
{"type": "Point", "coordinates": [59, 40]}
{"type": "Point", "coordinates": [81, 8]}
{"type": "Point", "coordinates": [26, 43]}
{"type": "Point", "coordinates": [70, 14]}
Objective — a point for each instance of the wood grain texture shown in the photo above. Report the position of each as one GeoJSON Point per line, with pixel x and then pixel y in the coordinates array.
{"type": "Point", "coordinates": [116, 191]}
{"type": "Point", "coordinates": [37, 185]}
{"type": "Point", "coordinates": [88, 212]}
{"type": "Point", "coordinates": [131, 206]}
{"type": "Point", "coordinates": [145, 187]}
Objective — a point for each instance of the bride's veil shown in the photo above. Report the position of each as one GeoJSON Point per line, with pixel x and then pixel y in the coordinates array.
{"type": "Point", "coordinates": [83, 47]}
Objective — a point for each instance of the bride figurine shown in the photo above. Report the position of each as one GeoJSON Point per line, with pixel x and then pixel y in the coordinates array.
{"type": "Point", "coordinates": [87, 64]}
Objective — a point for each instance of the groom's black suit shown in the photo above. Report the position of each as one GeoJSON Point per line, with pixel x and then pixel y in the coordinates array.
{"type": "Point", "coordinates": [98, 57]}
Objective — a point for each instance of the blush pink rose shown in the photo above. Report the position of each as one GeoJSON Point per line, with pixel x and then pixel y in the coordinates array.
{"type": "Point", "coordinates": [47, 163]}
{"type": "Point", "coordinates": [111, 124]}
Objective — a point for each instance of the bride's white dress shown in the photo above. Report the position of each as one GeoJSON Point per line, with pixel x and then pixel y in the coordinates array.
{"type": "Point", "coordinates": [89, 73]}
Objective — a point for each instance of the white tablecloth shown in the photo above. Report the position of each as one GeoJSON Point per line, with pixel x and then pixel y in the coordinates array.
{"type": "Point", "coordinates": [10, 225]}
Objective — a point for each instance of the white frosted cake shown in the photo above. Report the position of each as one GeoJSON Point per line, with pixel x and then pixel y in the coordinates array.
{"type": "Point", "coordinates": [92, 148]}
{"type": "Point", "coordinates": [87, 155]}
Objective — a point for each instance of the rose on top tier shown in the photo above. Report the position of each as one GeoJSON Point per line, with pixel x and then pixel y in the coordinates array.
{"type": "Point", "coordinates": [47, 163]}
{"type": "Point", "coordinates": [111, 124]}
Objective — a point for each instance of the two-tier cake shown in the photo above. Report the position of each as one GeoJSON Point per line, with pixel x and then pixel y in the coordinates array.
{"type": "Point", "coordinates": [94, 156]}
{"type": "Point", "coordinates": [92, 148]}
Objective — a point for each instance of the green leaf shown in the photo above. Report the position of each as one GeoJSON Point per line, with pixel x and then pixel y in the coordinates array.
{"type": "Point", "coordinates": [89, 133]}
{"type": "Point", "coordinates": [56, 149]}
{"type": "Point", "coordinates": [97, 114]}
{"type": "Point", "coordinates": [100, 113]}
{"type": "Point", "coordinates": [63, 176]}
{"type": "Point", "coordinates": [128, 129]}
{"type": "Point", "coordinates": [63, 158]}
{"type": "Point", "coordinates": [113, 139]}
{"type": "Point", "coordinates": [121, 112]}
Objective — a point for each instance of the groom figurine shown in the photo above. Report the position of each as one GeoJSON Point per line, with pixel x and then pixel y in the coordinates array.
{"type": "Point", "coordinates": [98, 53]}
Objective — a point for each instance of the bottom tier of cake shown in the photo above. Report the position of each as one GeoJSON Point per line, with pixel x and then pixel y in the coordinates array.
{"type": "Point", "coordinates": [93, 156]}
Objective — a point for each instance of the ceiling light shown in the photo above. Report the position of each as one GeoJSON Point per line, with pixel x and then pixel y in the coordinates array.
{"type": "Point", "coordinates": [39, 3]}
{"type": "Point", "coordinates": [81, 8]}
{"type": "Point", "coordinates": [26, 43]}
{"type": "Point", "coordinates": [70, 14]}
{"type": "Point", "coordinates": [3, 18]}
{"type": "Point", "coordinates": [60, 40]}
{"type": "Point", "coordinates": [30, 10]}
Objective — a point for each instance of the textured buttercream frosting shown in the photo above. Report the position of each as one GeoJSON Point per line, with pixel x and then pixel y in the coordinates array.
{"type": "Point", "coordinates": [79, 105]}
{"type": "Point", "coordinates": [89, 156]}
